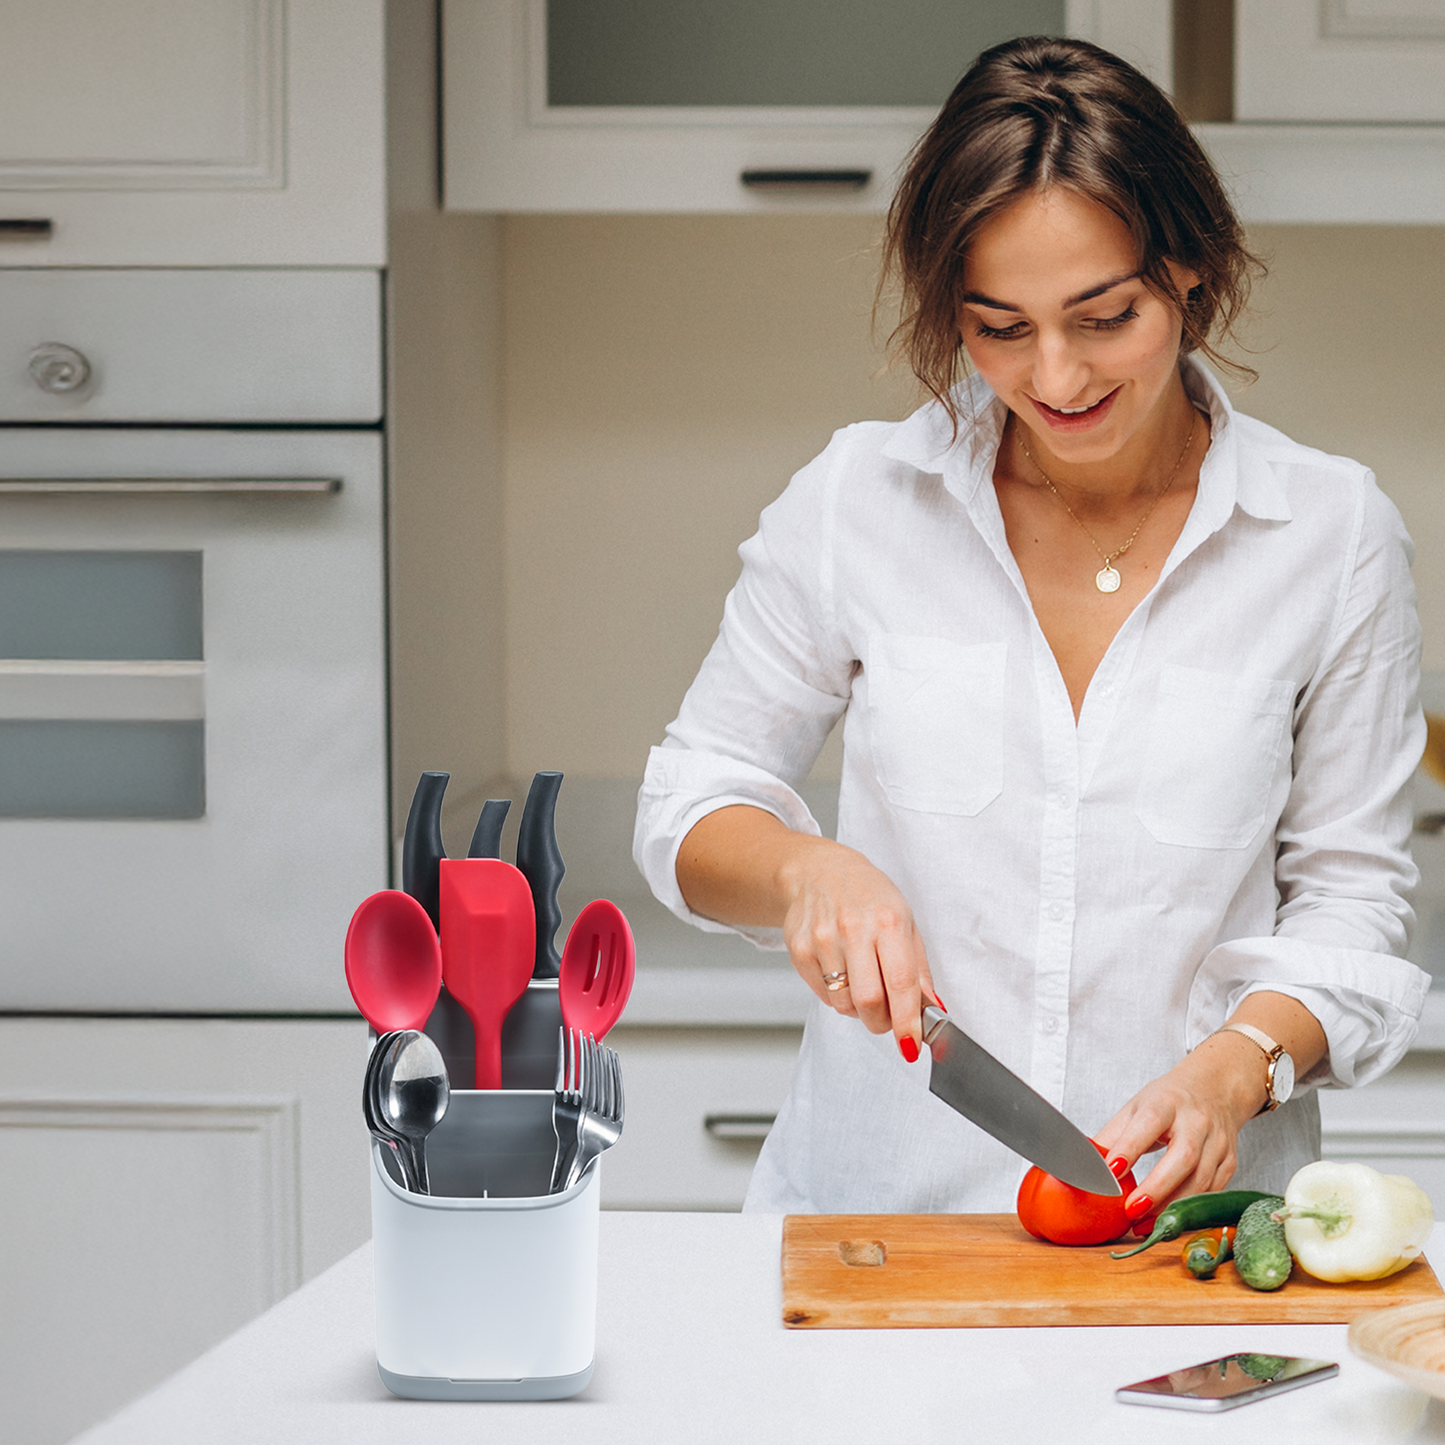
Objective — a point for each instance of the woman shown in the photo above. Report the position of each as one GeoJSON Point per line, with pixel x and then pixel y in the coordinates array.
{"type": "Point", "coordinates": [1128, 688]}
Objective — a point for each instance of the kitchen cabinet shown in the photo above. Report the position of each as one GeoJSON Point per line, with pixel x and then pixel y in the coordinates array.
{"type": "Point", "coordinates": [650, 105]}
{"type": "Point", "coordinates": [192, 133]}
{"type": "Point", "coordinates": [699, 1104]}
{"type": "Point", "coordinates": [1341, 60]}
{"type": "Point", "coordinates": [166, 1181]}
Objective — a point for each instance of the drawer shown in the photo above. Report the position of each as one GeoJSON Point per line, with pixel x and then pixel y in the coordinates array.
{"type": "Point", "coordinates": [698, 1104]}
{"type": "Point", "coordinates": [190, 346]}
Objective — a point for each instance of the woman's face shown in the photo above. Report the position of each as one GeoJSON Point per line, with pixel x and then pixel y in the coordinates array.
{"type": "Point", "coordinates": [1056, 319]}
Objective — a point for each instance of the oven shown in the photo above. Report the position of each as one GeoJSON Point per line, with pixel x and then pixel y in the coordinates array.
{"type": "Point", "coordinates": [192, 643]}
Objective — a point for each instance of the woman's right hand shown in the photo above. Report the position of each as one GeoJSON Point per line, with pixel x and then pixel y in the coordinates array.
{"type": "Point", "coordinates": [847, 917]}
{"type": "Point", "coordinates": [842, 918]}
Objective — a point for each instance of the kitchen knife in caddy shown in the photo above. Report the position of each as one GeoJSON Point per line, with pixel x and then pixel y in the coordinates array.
{"type": "Point", "coordinates": [969, 1079]}
{"type": "Point", "coordinates": [488, 942]}
{"type": "Point", "coordinates": [421, 854]}
{"type": "Point", "coordinates": [529, 1037]}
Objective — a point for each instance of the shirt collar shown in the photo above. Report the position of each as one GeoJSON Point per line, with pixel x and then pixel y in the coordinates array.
{"type": "Point", "coordinates": [1232, 475]}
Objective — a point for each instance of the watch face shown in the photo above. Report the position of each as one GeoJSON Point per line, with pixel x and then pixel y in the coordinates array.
{"type": "Point", "coordinates": [1282, 1078]}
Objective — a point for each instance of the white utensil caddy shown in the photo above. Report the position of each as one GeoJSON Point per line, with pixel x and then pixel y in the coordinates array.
{"type": "Point", "coordinates": [486, 1289]}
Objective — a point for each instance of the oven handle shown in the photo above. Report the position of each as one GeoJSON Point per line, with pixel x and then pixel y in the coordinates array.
{"type": "Point", "coordinates": [169, 486]}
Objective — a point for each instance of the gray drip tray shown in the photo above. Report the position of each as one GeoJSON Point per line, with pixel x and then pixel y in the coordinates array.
{"type": "Point", "coordinates": [493, 1143]}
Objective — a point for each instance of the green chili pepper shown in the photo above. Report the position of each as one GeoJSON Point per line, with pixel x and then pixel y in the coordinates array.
{"type": "Point", "coordinates": [1198, 1211]}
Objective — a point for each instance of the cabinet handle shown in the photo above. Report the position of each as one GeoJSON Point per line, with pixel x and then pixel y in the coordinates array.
{"type": "Point", "coordinates": [26, 228]}
{"type": "Point", "coordinates": [169, 486]}
{"type": "Point", "coordinates": [838, 180]}
{"type": "Point", "coordinates": [739, 1126]}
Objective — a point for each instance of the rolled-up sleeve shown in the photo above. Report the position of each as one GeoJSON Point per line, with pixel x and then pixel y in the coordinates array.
{"type": "Point", "coordinates": [1344, 871]}
{"type": "Point", "coordinates": [769, 692]}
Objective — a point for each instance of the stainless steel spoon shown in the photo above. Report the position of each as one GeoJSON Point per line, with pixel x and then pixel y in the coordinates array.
{"type": "Point", "coordinates": [378, 1131]}
{"type": "Point", "coordinates": [412, 1094]}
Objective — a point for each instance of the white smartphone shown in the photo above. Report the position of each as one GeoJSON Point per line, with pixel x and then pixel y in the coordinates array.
{"type": "Point", "coordinates": [1229, 1381]}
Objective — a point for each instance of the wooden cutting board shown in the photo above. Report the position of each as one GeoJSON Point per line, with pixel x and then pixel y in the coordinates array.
{"type": "Point", "coordinates": [920, 1271]}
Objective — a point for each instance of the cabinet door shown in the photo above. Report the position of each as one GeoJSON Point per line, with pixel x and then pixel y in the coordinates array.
{"type": "Point", "coordinates": [166, 1181]}
{"type": "Point", "coordinates": [699, 1105]}
{"type": "Point", "coordinates": [1340, 60]}
{"type": "Point", "coordinates": [191, 133]}
{"type": "Point", "coordinates": [654, 105]}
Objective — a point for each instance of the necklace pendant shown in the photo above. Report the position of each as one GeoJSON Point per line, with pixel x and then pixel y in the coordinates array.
{"type": "Point", "coordinates": [1106, 579]}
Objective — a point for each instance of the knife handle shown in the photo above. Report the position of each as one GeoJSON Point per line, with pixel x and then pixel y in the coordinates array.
{"type": "Point", "coordinates": [487, 840]}
{"type": "Point", "coordinates": [422, 849]}
{"type": "Point", "coordinates": [541, 863]}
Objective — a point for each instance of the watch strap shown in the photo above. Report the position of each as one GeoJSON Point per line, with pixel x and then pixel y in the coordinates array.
{"type": "Point", "coordinates": [1255, 1036]}
{"type": "Point", "coordinates": [1272, 1053]}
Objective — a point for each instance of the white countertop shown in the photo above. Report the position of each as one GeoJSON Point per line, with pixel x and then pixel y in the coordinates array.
{"type": "Point", "coordinates": [691, 1349]}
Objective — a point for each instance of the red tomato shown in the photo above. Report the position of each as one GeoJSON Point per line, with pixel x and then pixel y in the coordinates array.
{"type": "Point", "coordinates": [1052, 1210]}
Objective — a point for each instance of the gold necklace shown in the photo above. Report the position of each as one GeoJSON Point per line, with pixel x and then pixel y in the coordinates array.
{"type": "Point", "coordinates": [1106, 579]}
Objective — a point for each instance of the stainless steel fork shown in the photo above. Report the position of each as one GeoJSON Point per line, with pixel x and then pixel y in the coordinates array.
{"type": "Point", "coordinates": [566, 1104]}
{"type": "Point", "coordinates": [600, 1124]}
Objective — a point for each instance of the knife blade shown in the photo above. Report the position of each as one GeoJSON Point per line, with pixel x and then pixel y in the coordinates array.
{"type": "Point", "coordinates": [969, 1079]}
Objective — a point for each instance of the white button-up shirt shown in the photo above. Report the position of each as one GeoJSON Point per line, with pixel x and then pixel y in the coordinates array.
{"type": "Point", "coordinates": [1230, 813]}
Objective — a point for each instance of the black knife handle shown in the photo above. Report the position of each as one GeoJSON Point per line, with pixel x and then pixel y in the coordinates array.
{"type": "Point", "coordinates": [422, 849]}
{"type": "Point", "coordinates": [541, 865]}
{"type": "Point", "coordinates": [487, 840]}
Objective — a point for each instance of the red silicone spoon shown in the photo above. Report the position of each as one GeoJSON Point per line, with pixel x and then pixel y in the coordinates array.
{"type": "Point", "coordinates": [597, 967]}
{"type": "Point", "coordinates": [489, 939]}
{"type": "Point", "coordinates": [393, 961]}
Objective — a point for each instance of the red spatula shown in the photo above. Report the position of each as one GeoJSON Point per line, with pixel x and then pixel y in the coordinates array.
{"type": "Point", "coordinates": [598, 963]}
{"type": "Point", "coordinates": [489, 937]}
{"type": "Point", "coordinates": [393, 961]}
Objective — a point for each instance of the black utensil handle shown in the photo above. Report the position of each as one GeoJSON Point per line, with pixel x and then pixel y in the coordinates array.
{"type": "Point", "coordinates": [487, 840]}
{"type": "Point", "coordinates": [422, 849]}
{"type": "Point", "coordinates": [541, 864]}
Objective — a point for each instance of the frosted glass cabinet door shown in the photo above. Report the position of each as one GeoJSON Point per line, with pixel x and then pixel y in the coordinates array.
{"type": "Point", "coordinates": [1340, 60]}
{"type": "Point", "coordinates": [693, 105]}
{"type": "Point", "coordinates": [191, 133]}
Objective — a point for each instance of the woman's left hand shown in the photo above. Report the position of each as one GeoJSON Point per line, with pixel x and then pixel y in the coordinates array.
{"type": "Point", "coordinates": [1195, 1112]}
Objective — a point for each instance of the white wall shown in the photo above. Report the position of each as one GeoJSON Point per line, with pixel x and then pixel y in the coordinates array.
{"type": "Point", "coordinates": [660, 379]}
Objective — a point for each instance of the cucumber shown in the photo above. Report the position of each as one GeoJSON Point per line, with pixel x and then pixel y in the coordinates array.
{"type": "Point", "coordinates": [1260, 1253]}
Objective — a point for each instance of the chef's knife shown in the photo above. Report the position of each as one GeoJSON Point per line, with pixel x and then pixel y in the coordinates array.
{"type": "Point", "coordinates": [421, 848]}
{"type": "Point", "coordinates": [969, 1079]}
{"type": "Point", "coordinates": [529, 1037]}
{"type": "Point", "coordinates": [422, 851]}
{"type": "Point", "coordinates": [541, 863]}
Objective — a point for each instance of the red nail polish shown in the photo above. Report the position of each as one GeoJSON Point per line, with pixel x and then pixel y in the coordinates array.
{"type": "Point", "coordinates": [1140, 1207]}
{"type": "Point", "coordinates": [1118, 1166]}
{"type": "Point", "coordinates": [908, 1047]}
{"type": "Point", "coordinates": [938, 1004]}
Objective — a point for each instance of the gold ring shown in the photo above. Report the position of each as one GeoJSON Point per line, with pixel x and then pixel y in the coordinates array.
{"type": "Point", "coordinates": [835, 981]}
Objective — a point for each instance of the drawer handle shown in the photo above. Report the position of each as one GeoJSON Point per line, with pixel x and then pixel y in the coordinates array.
{"type": "Point", "coordinates": [838, 180]}
{"type": "Point", "coordinates": [752, 1127]}
{"type": "Point", "coordinates": [169, 486]}
{"type": "Point", "coordinates": [26, 228]}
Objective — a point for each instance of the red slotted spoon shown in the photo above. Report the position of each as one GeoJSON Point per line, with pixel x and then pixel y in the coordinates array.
{"type": "Point", "coordinates": [489, 940]}
{"type": "Point", "coordinates": [598, 964]}
{"type": "Point", "coordinates": [393, 961]}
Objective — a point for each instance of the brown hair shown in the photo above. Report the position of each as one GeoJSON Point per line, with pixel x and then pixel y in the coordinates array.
{"type": "Point", "coordinates": [1038, 112]}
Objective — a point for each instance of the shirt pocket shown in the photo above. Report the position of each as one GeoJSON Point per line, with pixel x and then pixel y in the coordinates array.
{"type": "Point", "coordinates": [937, 722]}
{"type": "Point", "coordinates": [1213, 751]}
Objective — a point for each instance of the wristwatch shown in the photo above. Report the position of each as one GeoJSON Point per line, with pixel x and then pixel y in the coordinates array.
{"type": "Point", "coordinates": [1279, 1081]}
